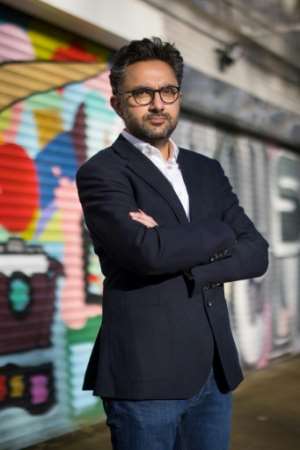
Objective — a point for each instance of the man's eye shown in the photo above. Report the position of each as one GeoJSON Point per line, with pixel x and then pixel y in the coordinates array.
{"type": "Point", "coordinates": [142, 92]}
{"type": "Point", "coordinates": [169, 90]}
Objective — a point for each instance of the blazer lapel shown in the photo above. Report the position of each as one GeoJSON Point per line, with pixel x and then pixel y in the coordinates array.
{"type": "Point", "coordinates": [197, 184]}
{"type": "Point", "coordinates": [146, 170]}
{"type": "Point", "coordinates": [192, 179]}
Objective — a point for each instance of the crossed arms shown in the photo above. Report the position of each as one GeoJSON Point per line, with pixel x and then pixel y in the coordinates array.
{"type": "Point", "coordinates": [137, 243]}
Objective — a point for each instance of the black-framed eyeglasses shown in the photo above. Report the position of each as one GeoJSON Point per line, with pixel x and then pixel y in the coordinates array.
{"type": "Point", "coordinates": [143, 96]}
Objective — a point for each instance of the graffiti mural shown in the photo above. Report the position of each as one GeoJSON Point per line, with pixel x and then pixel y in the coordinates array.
{"type": "Point", "coordinates": [54, 114]}
{"type": "Point", "coordinates": [31, 388]}
{"type": "Point", "coordinates": [265, 312]}
{"type": "Point", "coordinates": [28, 281]}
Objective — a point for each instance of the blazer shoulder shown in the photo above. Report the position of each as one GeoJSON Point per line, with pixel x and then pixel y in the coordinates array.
{"type": "Point", "coordinates": [102, 159]}
{"type": "Point", "coordinates": [199, 158]}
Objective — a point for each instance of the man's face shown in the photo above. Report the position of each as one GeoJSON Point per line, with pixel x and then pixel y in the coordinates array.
{"type": "Point", "coordinates": [156, 121]}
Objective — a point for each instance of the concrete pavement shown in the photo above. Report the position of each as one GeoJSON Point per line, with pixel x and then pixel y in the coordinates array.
{"type": "Point", "coordinates": [266, 414]}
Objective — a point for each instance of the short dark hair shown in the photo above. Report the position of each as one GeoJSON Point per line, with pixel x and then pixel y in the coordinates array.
{"type": "Point", "coordinates": [144, 50]}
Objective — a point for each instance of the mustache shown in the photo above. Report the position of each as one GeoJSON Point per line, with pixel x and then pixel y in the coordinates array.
{"type": "Point", "coordinates": [157, 116]}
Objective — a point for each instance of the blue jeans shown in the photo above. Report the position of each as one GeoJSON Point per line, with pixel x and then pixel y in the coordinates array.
{"type": "Point", "coordinates": [201, 422]}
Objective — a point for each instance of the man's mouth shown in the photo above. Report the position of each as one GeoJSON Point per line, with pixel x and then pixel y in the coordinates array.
{"type": "Point", "coordinates": [157, 120]}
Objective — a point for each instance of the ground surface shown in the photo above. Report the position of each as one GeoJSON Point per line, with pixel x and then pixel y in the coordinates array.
{"type": "Point", "coordinates": [266, 414]}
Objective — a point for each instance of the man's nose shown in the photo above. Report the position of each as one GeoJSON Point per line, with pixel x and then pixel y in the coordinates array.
{"type": "Point", "coordinates": [157, 102]}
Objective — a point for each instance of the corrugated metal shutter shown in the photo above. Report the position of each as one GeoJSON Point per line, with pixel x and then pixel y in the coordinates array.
{"type": "Point", "coordinates": [54, 113]}
{"type": "Point", "coordinates": [265, 312]}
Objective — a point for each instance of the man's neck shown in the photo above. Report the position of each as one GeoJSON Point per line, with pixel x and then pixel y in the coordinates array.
{"type": "Point", "coordinates": [163, 145]}
{"type": "Point", "coordinates": [164, 148]}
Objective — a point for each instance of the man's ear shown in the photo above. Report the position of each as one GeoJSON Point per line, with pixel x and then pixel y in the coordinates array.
{"type": "Point", "coordinates": [115, 104]}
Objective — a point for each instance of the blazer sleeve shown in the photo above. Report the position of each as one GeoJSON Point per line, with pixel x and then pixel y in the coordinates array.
{"type": "Point", "coordinates": [107, 197]}
{"type": "Point", "coordinates": [249, 256]}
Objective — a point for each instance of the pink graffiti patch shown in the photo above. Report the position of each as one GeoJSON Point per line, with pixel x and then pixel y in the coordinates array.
{"type": "Point", "coordinates": [72, 294]}
{"type": "Point", "coordinates": [100, 83]}
{"type": "Point", "coordinates": [15, 44]}
{"type": "Point", "coordinates": [10, 134]}
{"type": "Point", "coordinates": [39, 389]}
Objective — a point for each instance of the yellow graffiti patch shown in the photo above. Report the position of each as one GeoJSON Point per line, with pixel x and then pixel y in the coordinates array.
{"type": "Point", "coordinates": [45, 44]}
{"type": "Point", "coordinates": [17, 386]}
{"type": "Point", "coordinates": [49, 124]}
{"type": "Point", "coordinates": [5, 118]}
{"type": "Point", "coordinates": [29, 233]}
{"type": "Point", "coordinates": [53, 231]}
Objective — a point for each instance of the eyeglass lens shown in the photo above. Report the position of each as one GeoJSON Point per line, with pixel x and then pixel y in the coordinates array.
{"type": "Point", "coordinates": [144, 96]}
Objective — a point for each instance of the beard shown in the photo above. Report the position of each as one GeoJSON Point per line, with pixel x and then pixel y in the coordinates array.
{"type": "Point", "coordinates": [148, 132]}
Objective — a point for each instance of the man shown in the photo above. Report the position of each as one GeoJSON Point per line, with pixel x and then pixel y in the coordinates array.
{"type": "Point", "coordinates": [169, 232]}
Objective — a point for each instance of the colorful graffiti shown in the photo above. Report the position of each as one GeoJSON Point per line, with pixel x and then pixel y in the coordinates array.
{"type": "Point", "coordinates": [30, 388]}
{"type": "Point", "coordinates": [265, 312]}
{"type": "Point", "coordinates": [54, 114]}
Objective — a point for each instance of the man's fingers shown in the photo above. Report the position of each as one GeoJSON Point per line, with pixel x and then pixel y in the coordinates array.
{"type": "Point", "coordinates": [147, 224]}
{"type": "Point", "coordinates": [141, 215]}
{"type": "Point", "coordinates": [147, 221]}
{"type": "Point", "coordinates": [143, 218]}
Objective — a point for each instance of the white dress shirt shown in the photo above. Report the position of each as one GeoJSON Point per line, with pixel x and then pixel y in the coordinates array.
{"type": "Point", "coordinates": [169, 168]}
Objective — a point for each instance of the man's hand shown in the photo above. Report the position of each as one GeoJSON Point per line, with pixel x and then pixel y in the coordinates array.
{"type": "Point", "coordinates": [143, 218]}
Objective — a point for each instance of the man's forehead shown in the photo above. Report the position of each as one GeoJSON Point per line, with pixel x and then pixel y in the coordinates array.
{"type": "Point", "coordinates": [149, 73]}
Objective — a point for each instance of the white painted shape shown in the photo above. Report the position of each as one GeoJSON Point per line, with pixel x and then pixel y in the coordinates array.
{"type": "Point", "coordinates": [289, 183]}
{"type": "Point", "coordinates": [27, 264]}
{"type": "Point", "coordinates": [250, 332]}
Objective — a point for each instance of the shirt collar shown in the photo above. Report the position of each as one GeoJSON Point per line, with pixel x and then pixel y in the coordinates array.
{"type": "Point", "coordinates": [149, 149]}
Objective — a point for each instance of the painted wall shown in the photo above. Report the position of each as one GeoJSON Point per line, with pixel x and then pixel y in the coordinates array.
{"type": "Point", "coordinates": [265, 312]}
{"type": "Point", "coordinates": [196, 33]}
{"type": "Point", "coordinates": [54, 114]}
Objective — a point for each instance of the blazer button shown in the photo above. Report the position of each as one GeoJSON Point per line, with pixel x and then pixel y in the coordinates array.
{"type": "Point", "coordinates": [209, 303]}
{"type": "Point", "coordinates": [212, 259]}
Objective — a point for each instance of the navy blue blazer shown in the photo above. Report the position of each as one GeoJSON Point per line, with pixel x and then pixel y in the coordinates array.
{"type": "Point", "coordinates": [165, 319]}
